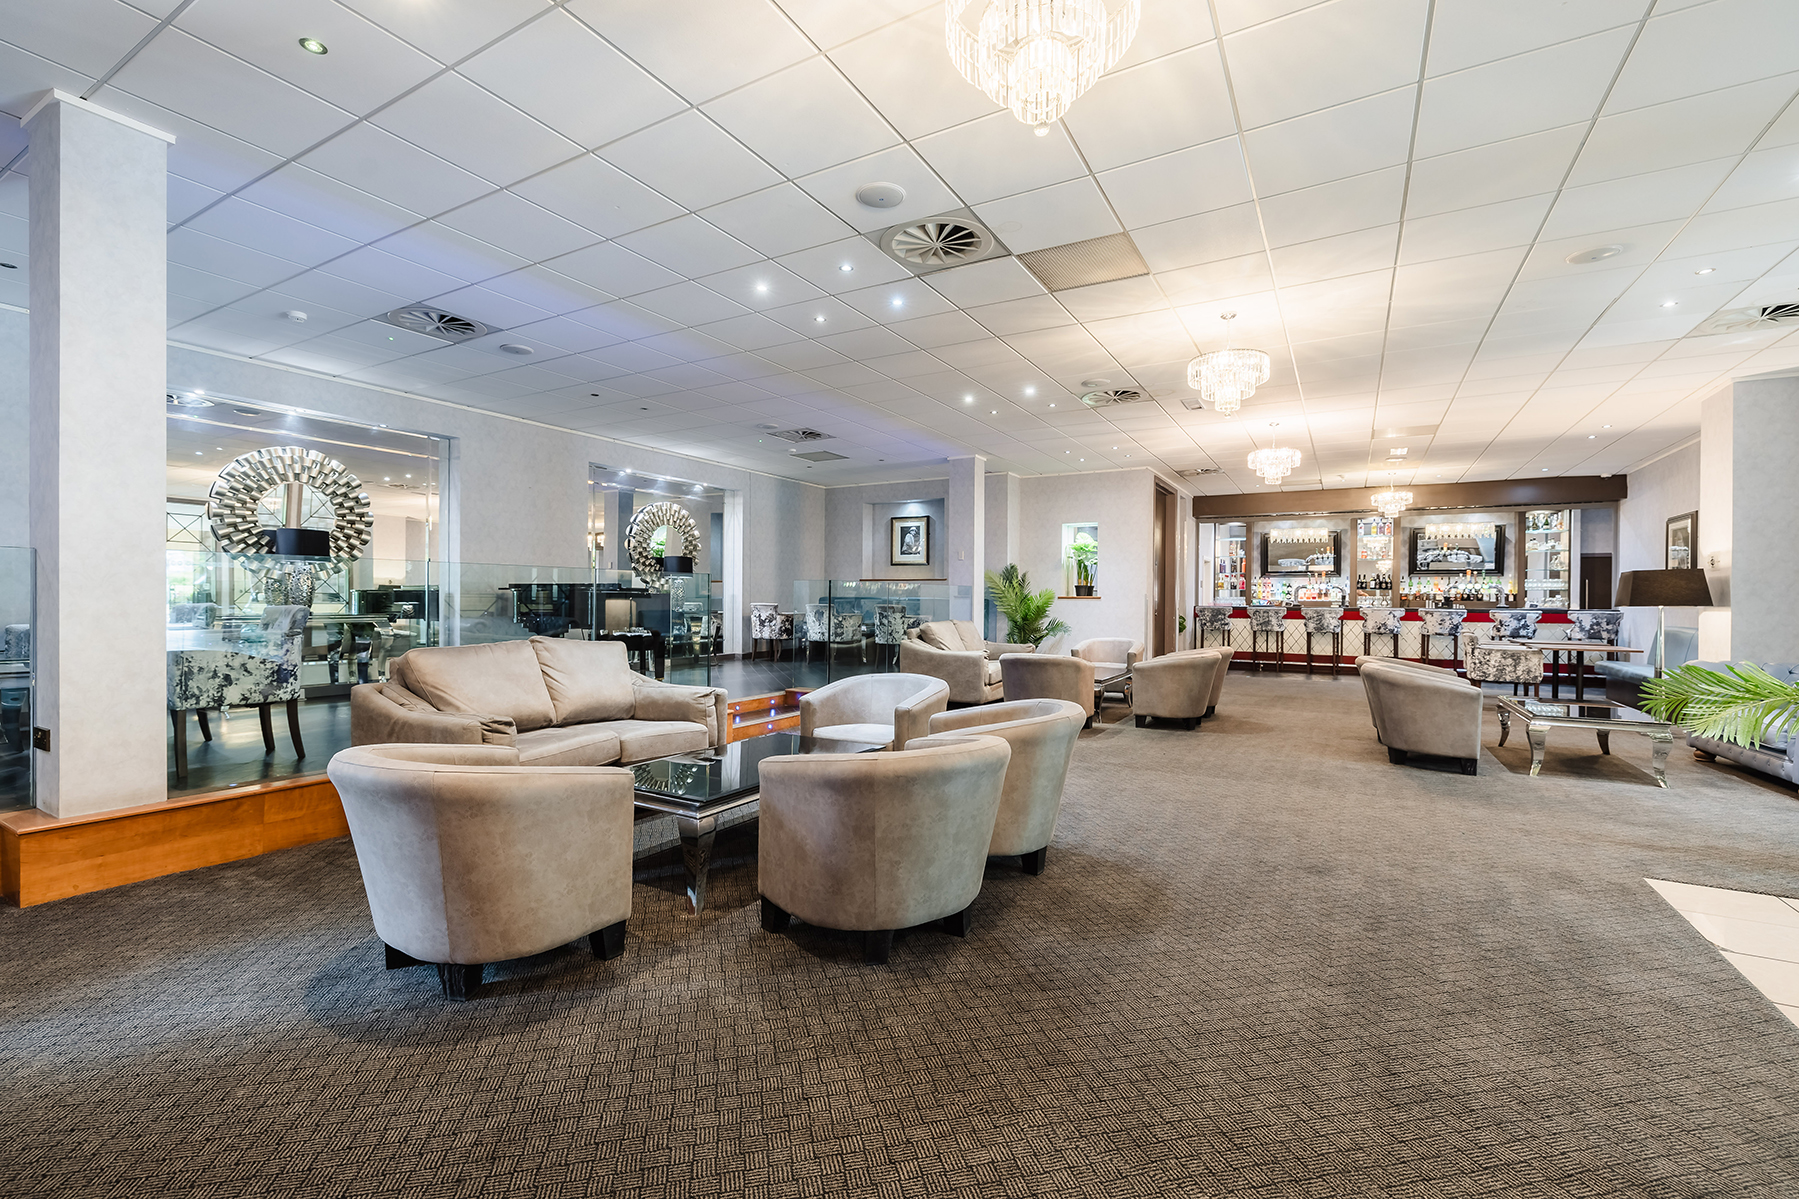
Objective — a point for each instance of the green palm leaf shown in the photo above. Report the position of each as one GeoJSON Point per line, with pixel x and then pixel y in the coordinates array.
{"type": "Point", "coordinates": [1028, 621]}
{"type": "Point", "coordinates": [1743, 704]}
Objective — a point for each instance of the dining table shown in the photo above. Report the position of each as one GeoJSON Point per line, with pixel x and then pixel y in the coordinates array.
{"type": "Point", "coordinates": [1580, 649]}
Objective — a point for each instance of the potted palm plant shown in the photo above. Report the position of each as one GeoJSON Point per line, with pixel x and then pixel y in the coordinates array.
{"type": "Point", "coordinates": [1085, 552]}
{"type": "Point", "coordinates": [1742, 704]}
{"type": "Point", "coordinates": [1028, 621]}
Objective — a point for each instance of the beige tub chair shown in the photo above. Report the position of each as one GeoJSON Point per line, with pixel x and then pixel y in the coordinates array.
{"type": "Point", "coordinates": [470, 858]}
{"type": "Point", "coordinates": [1048, 676]}
{"type": "Point", "coordinates": [1183, 686]}
{"type": "Point", "coordinates": [1423, 710]}
{"type": "Point", "coordinates": [879, 709]}
{"type": "Point", "coordinates": [1042, 734]}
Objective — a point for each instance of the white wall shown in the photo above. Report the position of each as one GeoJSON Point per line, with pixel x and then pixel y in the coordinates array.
{"type": "Point", "coordinates": [1666, 487]}
{"type": "Point", "coordinates": [1122, 504]}
{"type": "Point", "coordinates": [15, 429]}
{"type": "Point", "coordinates": [1764, 582]}
{"type": "Point", "coordinates": [855, 540]}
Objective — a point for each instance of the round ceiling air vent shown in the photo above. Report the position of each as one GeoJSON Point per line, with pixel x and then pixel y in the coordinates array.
{"type": "Point", "coordinates": [181, 401]}
{"type": "Point", "coordinates": [1111, 396]}
{"type": "Point", "coordinates": [435, 322]}
{"type": "Point", "coordinates": [941, 242]}
{"type": "Point", "coordinates": [515, 348]}
{"type": "Point", "coordinates": [1596, 254]}
{"type": "Point", "coordinates": [1744, 320]}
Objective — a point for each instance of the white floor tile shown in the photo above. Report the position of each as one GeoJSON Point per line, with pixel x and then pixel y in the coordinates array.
{"type": "Point", "coordinates": [1717, 901]}
{"type": "Point", "coordinates": [1754, 937]}
{"type": "Point", "coordinates": [1792, 1013]}
{"type": "Point", "coordinates": [1779, 981]}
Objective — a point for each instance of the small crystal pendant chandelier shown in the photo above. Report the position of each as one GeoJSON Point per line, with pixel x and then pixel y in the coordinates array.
{"type": "Point", "coordinates": [1227, 377]}
{"type": "Point", "coordinates": [1036, 57]}
{"type": "Point", "coordinates": [1274, 463]}
{"type": "Point", "coordinates": [1391, 503]}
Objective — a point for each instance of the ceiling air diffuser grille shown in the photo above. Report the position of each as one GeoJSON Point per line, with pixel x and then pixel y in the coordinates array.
{"type": "Point", "coordinates": [1111, 396]}
{"type": "Point", "coordinates": [821, 456]}
{"type": "Point", "coordinates": [435, 322]}
{"type": "Point", "coordinates": [799, 435]}
{"type": "Point", "coordinates": [1743, 320]}
{"type": "Point", "coordinates": [939, 242]}
{"type": "Point", "coordinates": [1084, 263]}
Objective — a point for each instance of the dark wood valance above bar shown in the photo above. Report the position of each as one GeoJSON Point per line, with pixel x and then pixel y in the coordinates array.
{"type": "Point", "coordinates": [1496, 493]}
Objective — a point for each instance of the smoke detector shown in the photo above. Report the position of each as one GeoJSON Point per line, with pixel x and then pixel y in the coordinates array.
{"type": "Point", "coordinates": [435, 322]}
{"type": "Point", "coordinates": [1596, 254]}
{"type": "Point", "coordinates": [1111, 396]}
{"type": "Point", "coordinates": [800, 435]}
{"type": "Point", "coordinates": [939, 242]}
{"type": "Point", "coordinates": [1745, 320]}
{"type": "Point", "coordinates": [515, 348]}
{"type": "Point", "coordinates": [880, 195]}
{"type": "Point", "coordinates": [294, 315]}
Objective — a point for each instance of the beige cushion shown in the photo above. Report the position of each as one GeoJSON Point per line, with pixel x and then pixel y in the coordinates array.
{"type": "Point", "coordinates": [868, 734]}
{"type": "Point", "coordinates": [942, 634]}
{"type": "Point", "coordinates": [641, 740]}
{"type": "Point", "coordinates": [581, 745]}
{"type": "Point", "coordinates": [993, 671]}
{"type": "Point", "coordinates": [970, 634]}
{"type": "Point", "coordinates": [503, 679]}
{"type": "Point", "coordinates": [587, 680]}
{"type": "Point", "coordinates": [405, 698]}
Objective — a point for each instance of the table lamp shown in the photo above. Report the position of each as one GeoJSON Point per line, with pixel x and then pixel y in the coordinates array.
{"type": "Point", "coordinates": [1661, 590]}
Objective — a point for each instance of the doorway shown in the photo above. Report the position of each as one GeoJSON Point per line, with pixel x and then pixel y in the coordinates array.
{"type": "Point", "coordinates": [1595, 580]}
{"type": "Point", "coordinates": [1162, 555]}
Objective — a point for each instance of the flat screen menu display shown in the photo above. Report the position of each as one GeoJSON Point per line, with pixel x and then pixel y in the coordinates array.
{"type": "Point", "coordinates": [1458, 549]}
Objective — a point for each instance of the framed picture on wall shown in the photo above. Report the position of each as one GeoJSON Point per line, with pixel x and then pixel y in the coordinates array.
{"type": "Point", "coordinates": [911, 540]}
{"type": "Point", "coordinates": [1683, 541]}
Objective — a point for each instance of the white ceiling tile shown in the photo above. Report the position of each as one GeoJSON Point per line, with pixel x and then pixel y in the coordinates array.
{"type": "Point", "coordinates": [1507, 170]}
{"type": "Point", "coordinates": [216, 256]}
{"type": "Point", "coordinates": [1324, 56]}
{"type": "Point", "coordinates": [597, 196]}
{"type": "Point", "coordinates": [1206, 237]}
{"type": "Point", "coordinates": [804, 317]}
{"type": "Point", "coordinates": [1332, 257]}
{"type": "Point", "coordinates": [1121, 297]}
{"type": "Point", "coordinates": [317, 287]}
{"type": "Point", "coordinates": [1466, 33]}
{"type": "Point", "coordinates": [384, 166]}
{"type": "Point", "coordinates": [1341, 207]}
{"type": "Point", "coordinates": [1350, 139]}
{"type": "Point", "coordinates": [518, 226]}
{"type": "Point", "coordinates": [689, 303]}
{"type": "Point", "coordinates": [926, 194]}
{"type": "Point", "coordinates": [999, 156]}
{"type": "Point", "coordinates": [689, 246]}
{"type": "Point", "coordinates": [567, 335]}
{"type": "Point", "coordinates": [447, 29]}
{"type": "Point", "coordinates": [946, 329]}
{"type": "Point", "coordinates": [1474, 230]}
{"type": "Point", "coordinates": [1051, 216]}
{"type": "Point", "coordinates": [557, 70]}
{"type": "Point", "coordinates": [1691, 130]}
{"type": "Point", "coordinates": [454, 253]}
{"type": "Point", "coordinates": [1711, 46]}
{"type": "Point", "coordinates": [1739, 228]}
{"type": "Point", "coordinates": [613, 269]}
{"type": "Point", "coordinates": [803, 119]}
{"type": "Point", "coordinates": [366, 67]}
{"type": "Point", "coordinates": [84, 36]}
{"type": "Point", "coordinates": [490, 307]}
{"type": "Point", "coordinates": [822, 266]}
{"type": "Point", "coordinates": [761, 285]}
{"type": "Point", "coordinates": [306, 195]}
{"type": "Point", "coordinates": [203, 287]}
{"type": "Point", "coordinates": [1216, 281]}
{"type": "Point", "coordinates": [1022, 316]}
{"type": "Point", "coordinates": [1544, 89]}
{"type": "Point", "coordinates": [906, 73]}
{"type": "Point", "coordinates": [752, 331]}
{"type": "Point", "coordinates": [1164, 29]}
{"type": "Point", "coordinates": [830, 23]}
{"type": "Point", "coordinates": [701, 48]}
{"type": "Point", "coordinates": [862, 344]}
{"type": "Point", "coordinates": [187, 75]}
{"type": "Point", "coordinates": [691, 161]}
{"type": "Point", "coordinates": [988, 282]}
{"type": "Point", "coordinates": [901, 300]}
{"type": "Point", "coordinates": [247, 224]}
{"type": "Point", "coordinates": [24, 77]}
{"type": "Point", "coordinates": [1765, 176]}
{"type": "Point", "coordinates": [1161, 106]}
{"type": "Point", "coordinates": [779, 220]}
{"type": "Point", "coordinates": [461, 123]}
{"type": "Point", "coordinates": [1200, 178]}
{"type": "Point", "coordinates": [271, 306]}
{"type": "Point", "coordinates": [1638, 200]}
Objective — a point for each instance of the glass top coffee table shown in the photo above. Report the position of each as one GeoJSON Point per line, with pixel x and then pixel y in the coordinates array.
{"type": "Point", "coordinates": [699, 786]}
{"type": "Point", "coordinates": [1604, 719]}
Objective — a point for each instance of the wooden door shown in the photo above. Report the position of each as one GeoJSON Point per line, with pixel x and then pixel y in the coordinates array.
{"type": "Point", "coordinates": [1595, 580]}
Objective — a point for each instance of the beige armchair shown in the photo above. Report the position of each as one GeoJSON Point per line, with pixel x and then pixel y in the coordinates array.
{"type": "Point", "coordinates": [954, 651]}
{"type": "Point", "coordinates": [1109, 655]}
{"type": "Point", "coordinates": [1223, 653]}
{"type": "Point", "coordinates": [1042, 734]}
{"type": "Point", "coordinates": [880, 709]}
{"type": "Point", "coordinates": [1423, 710]}
{"type": "Point", "coordinates": [469, 857]}
{"type": "Point", "coordinates": [1048, 676]}
{"type": "Point", "coordinates": [872, 843]}
{"type": "Point", "coordinates": [1181, 686]}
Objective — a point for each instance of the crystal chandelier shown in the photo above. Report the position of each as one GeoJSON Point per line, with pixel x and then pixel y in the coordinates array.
{"type": "Point", "coordinates": [1227, 377]}
{"type": "Point", "coordinates": [1036, 57]}
{"type": "Point", "coordinates": [1391, 503]}
{"type": "Point", "coordinates": [1274, 463]}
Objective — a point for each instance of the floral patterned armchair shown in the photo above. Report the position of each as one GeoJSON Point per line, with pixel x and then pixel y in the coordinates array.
{"type": "Point", "coordinates": [199, 679]}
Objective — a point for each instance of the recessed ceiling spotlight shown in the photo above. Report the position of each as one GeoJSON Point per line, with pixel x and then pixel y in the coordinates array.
{"type": "Point", "coordinates": [993, 412]}
{"type": "Point", "coordinates": [1030, 391]}
{"type": "Point", "coordinates": [1596, 254]}
{"type": "Point", "coordinates": [819, 318]}
{"type": "Point", "coordinates": [1545, 470]}
{"type": "Point", "coordinates": [199, 391]}
{"type": "Point", "coordinates": [1605, 426]}
{"type": "Point", "coordinates": [968, 399]}
{"type": "Point", "coordinates": [387, 478]}
{"type": "Point", "coordinates": [198, 454]}
{"type": "Point", "coordinates": [1043, 131]}
{"type": "Point", "coordinates": [880, 195]}
{"type": "Point", "coordinates": [899, 301]}
{"type": "Point", "coordinates": [1052, 405]}
{"type": "Point", "coordinates": [1669, 303]}
{"type": "Point", "coordinates": [762, 287]}
{"type": "Point", "coordinates": [11, 266]}
{"type": "Point", "coordinates": [246, 412]}
{"type": "Point", "coordinates": [312, 45]}
{"type": "Point", "coordinates": [1705, 270]}
{"type": "Point", "coordinates": [846, 266]}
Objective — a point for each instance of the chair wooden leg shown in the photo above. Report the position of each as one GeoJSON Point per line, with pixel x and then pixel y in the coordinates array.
{"type": "Point", "coordinates": [293, 727]}
{"type": "Point", "coordinates": [1396, 756]}
{"type": "Point", "coordinates": [268, 729]}
{"type": "Point", "coordinates": [178, 718]}
{"type": "Point", "coordinates": [396, 960]}
{"type": "Point", "coordinates": [774, 917]}
{"type": "Point", "coordinates": [1142, 722]}
{"type": "Point", "coordinates": [957, 924]}
{"type": "Point", "coordinates": [205, 728]}
{"type": "Point", "coordinates": [459, 981]}
{"type": "Point", "coordinates": [1035, 860]}
{"type": "Point", "coordinates": [607, 943]}
{"type": "Point", "coordinates": [877, 944]}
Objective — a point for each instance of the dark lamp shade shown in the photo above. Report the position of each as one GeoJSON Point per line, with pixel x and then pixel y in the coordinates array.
{"type": "Point", "coordinates": [1663, 589]}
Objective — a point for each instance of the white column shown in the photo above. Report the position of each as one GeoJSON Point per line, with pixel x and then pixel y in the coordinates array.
{"type": "Point", "coordinates": [965, 512]}
{"type": "Point", "coordinates": [1716, 525]}
{"type": "Point", "coordinates": [1764, 582]}
{"type": "Point", "coordinates": [99, 350]}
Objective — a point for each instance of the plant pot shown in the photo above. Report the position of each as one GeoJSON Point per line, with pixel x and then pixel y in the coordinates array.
{"type": "Point", "coordinates": [1083, 588]}
{"type": "Point", "coordinates": [677, 564]}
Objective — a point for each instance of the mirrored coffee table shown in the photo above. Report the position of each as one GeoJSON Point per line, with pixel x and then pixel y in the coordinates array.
{"type": "Point", "coordinates": [698, 787]}
{"type": "Point", "coordinates": [1604, 719]}
{"type": "Point", "coordinates": [1118, 681]}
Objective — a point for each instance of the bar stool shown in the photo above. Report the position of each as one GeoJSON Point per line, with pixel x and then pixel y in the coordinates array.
{"type": "Point", "coordinates": [890, 629]}
{"type": "Point", "coordinates": [1443, 622]}
{"type": "Point", "coordinates": [1380, 622]}
{"type": "Point", "coordinates": [769, 624]}
{"type": "Point", "coordinates": [1213, 620]}
{"type": "Point", "coordinates": [1408, 616]}
{"type": "Point", "coordinates": [1478, 626]}
{"type": "Point", "coordinates": [1324, 620]}
{"type": "Point", "coordinates": [1264, 621]}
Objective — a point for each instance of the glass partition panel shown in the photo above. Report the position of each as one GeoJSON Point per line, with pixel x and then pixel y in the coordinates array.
{"type": "Point", "coordinates": [17, 604]}
{"type": "Point", "coordinates": [847, 627]}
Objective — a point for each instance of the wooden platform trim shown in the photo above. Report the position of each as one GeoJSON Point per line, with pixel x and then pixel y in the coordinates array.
{"type": "Point", "coordinates": [43, 857]}
{"type": "Point", "coordinates": [776, 712]}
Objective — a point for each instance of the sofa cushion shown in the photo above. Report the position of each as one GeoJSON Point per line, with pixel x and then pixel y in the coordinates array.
{"type": "Point", "coordinates": [578, 745]}
{"type": "Point", "coordinates": [868, 734]}
{"type": "Point", "coordinates": [503, 679]}
{"type": "Point", "coordinates": [641, 740]}
{"type": "Point", "coordinates": [970, 634]}
{"type": "Point", "coordinates": [993, 672]}
{"type": "Point", "coordinates": [404, 698]}
{"type": "Point", "coordinates": [586, 680]}
{"type": "Point", "coordinates": [942, 634]}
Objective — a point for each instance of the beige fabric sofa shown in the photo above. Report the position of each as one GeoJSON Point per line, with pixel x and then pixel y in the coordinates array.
{"type": "Point", "coordinates": [872, 843]}
{"type": "Point", "coordinates": [1423, 710]}
{"type": "Point", "coordinates": [1182, 686]}
{"type": "Point", "coordinates": [557, 702]}
{"type": "Point", "coordinates": [1048, 676]}
{"type": "Point", "coordinates": [879, 709]}
{"type": "Point", "coordinates": [1042, 734]}
{"type": "Point", "coordinates": [469, 857]}
{"type": "Point", "coordinates": [954, 651]}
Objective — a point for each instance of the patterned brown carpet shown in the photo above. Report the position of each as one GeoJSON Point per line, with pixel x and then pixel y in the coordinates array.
{"type": "Point", "coordinates": [1263, 962]}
